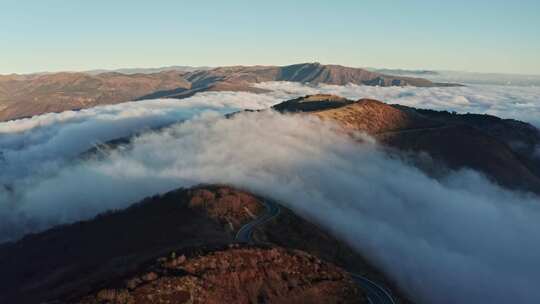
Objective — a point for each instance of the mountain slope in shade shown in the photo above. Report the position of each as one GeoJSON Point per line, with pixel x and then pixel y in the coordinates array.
{"type": "Point", "coordinates": [113, 257]}
{"type": "Point", "coordinates": [70, 259]}
{"type": "Point", "coordinates": [482, 143]}
{"type": "Point", "coordinates": [28, 95]}
{"type": "Point", "coordinates": [523, 138]}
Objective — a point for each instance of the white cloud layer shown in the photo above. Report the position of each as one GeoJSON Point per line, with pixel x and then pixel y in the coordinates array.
{"type": "Point", "coordinates": [56, 136]}
{"type": "Point", "coordinates": [472, 77]}
{"type": "Point", "coordinates": [460, 240]}
{"type": "Point", "coordinates": [45, 142]}
{"type": "Point", "coordinates": [517, 102]}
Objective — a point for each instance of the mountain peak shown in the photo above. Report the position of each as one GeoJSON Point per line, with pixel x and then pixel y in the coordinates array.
{"type": "Point", "coordinates": [309, 103]}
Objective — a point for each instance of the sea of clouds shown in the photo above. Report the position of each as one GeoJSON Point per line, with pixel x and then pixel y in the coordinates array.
{"type": "Point", "coordinates": [469, 78]}
{"type": "Point", "coordinates": [516, 102]}
{"type": "Point", "coordinates": [456, 240]}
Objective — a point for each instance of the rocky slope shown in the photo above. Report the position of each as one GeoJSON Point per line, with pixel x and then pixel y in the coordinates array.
{"type": "Point", "coordinates": [114, 258]}
{"type": "Point", "coordinates": [70, 258]}
{"type": "Point", "coordinates": [481, 142]}
{"type": "Point", "coordinates": [291, 231]}
{"type": "Point", "coordinates": [237, 274]}
{"type": "Point", "coordinates": [28, 95]}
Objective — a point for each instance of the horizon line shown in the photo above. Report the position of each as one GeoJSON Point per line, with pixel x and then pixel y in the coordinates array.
{"type": "Point", "coordinates": [100, 70]}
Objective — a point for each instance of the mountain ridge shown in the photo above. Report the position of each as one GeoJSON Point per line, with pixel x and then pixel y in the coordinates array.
{"type": "Point", "coordinates": [503, 150]}
{"type": "Point", "coordinates": [24, 96]}
{"type": "Point", "coordinates": [180, 232]}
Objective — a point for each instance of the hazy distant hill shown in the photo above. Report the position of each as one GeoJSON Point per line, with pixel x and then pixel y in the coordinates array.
{"type": "Point", "coordinates": [179, 68]}
{"type": "Point", "coordinates": [403, 72]}
{"type": "Point", "coordinates": [467, 77]}
{"type": "Point", "coordinates": [28, 95]}
{"type": "Point", "coordinates": [22, 96]}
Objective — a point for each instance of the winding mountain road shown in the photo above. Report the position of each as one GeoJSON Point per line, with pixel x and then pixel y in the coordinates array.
{"type": "Point", "coordinates": [376, 293]}
{"type": "Point", "coordinates": [244, 235]}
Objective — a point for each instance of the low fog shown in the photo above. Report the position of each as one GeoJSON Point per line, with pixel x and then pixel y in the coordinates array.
{"type": "Point", "coordinates": [464, 77]}
{"type": "Point", "coordinates": [517, 102]}
{"type": "Point", "coordinates": [457, 240]}
{"type": "Point", "coordinates": [38, 145]}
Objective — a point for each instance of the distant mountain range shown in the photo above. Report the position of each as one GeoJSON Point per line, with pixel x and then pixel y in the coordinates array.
{"type": "Point", "coordinates": [180, 68]}
{"type": "Point", "coordinates": [34, 94]}
{"type": "Point", "coordinates": [403, 72]}
{"type": "Point", "coordinates": [467, 77]}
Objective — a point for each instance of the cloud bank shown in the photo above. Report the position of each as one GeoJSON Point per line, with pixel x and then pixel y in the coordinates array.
{"type": "Point", "coordinates": [41, 144]}
{"type": "Point", "coordinates": [471, 77]}
{"type": "Point", "coordinates": [457, 240]}
{"type": "Point", "coordinates": [517, 102]}
{"type": "Point", "coordinates": [460, 240]}
{"type": "Point", "coordinates": [53, 137]}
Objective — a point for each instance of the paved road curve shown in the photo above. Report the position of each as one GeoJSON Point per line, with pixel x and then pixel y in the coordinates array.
{"type": "Point", "coordinates": [375, 293]}
{"type": "Point", "coordinates": [244, 235]}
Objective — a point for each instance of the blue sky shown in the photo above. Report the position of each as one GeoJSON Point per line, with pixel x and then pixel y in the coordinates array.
{"type": "Point", "coordinates": [483, 36]}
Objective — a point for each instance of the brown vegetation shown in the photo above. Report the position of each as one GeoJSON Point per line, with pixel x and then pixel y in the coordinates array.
{"type": "Point", "coordinates": [236, 275]}
{"type": "Point", "coordinates": [291, 231]}
{"type": "Point", "coordinates": [98, 257]}
{"type": "Point", "coordinates": [28, 95]}
{"type": "Point", "coordinates": [226, 205]}
{"type": "Point", "coordinates": [71, 259]}
{"type": "Point", "coordinates": [37, 94]}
